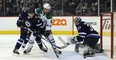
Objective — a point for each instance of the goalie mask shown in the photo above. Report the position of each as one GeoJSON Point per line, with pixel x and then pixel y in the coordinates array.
{"type": "Point", "coordinates": [77, 19]}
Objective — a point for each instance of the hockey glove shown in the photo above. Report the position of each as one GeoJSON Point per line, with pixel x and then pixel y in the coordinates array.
{"type": "Point", "coordinates": [48, 32]}
{"type": "Point", "coordinates": [20, 23]}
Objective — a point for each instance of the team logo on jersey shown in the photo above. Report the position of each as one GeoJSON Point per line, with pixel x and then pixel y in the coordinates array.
{"type": "Point", "coordinates": [27, 23]}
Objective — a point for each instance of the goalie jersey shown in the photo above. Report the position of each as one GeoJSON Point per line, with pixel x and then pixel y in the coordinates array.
{"type": "Point", "coordinates": [85, 30]}
{"type": "Point", "coordinates": [34, 23]}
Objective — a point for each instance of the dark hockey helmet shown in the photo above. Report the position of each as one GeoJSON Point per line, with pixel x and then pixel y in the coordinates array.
{"type": "Point", "coordinates": [31, 11]}
{"type": "Point", "coordinates": [77, 19]}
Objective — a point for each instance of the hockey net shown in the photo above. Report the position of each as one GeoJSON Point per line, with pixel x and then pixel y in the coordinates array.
{"type": "Point", "coordinates": [107, 32]}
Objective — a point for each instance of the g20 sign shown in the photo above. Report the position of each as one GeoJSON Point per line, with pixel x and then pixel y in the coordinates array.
{"type": "Point", "coordinates": [59, 22]}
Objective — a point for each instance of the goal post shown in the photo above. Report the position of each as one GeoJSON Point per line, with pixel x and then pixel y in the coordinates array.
{"type": "Point", "coordinates": [103, 17]}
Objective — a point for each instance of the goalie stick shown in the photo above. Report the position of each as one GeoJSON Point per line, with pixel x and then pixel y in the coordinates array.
{"type": "Point", "coordinates": [65, 44]}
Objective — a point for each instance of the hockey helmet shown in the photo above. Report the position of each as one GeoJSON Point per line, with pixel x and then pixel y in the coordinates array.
{"type": "Point", "coordinates": [77, 19]}
{"type": "Point", "coordinates": [46, 6]}
{"type": "Point", "coordinates": [31, 11]}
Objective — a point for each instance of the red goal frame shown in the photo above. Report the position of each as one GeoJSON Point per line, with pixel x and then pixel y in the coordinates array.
{"type": "Point", "coordinates": [111, 15]}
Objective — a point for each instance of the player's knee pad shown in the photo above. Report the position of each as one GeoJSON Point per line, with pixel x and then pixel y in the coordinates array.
{"type": "Point", "coordinates": [98, 48]}
{"type": "Point", "coordinates": [38, 40]}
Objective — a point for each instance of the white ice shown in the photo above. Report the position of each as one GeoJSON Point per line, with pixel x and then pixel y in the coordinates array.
{"type": "Point", "coordinates": [7, 44]}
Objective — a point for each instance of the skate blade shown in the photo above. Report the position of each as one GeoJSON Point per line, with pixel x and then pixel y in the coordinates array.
{"type": "Point", "coordinates": [15, 54]}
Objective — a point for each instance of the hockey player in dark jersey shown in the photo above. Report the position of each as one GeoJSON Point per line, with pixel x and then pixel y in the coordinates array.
{"type": "Point", "coordinates": [22, 41]}
{"type": "Point", "coordinates": [86, 34]}
{"type": "Point", "coordinates": [29, 20]}
{"type": "Point", "coordinates": [45, 15]}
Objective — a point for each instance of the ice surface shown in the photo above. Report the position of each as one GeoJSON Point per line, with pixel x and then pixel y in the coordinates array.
{"type": "Point", "coordinates": [7, 44]}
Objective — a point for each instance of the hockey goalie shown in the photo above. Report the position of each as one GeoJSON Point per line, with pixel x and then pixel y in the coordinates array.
{"type": "Point", "coordinates": [86, 40]}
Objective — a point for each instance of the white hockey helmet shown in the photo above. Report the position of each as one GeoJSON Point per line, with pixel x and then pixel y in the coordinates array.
{"type": "Point", "coordinates": [46, 6]}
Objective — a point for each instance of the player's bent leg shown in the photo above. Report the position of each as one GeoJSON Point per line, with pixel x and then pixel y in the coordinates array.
{"type": "Point", "coordinates": [30, 44]}
{"type": "Point", "coordinates": [50, 38]}
{"type": "Point", "coordinates": [24, 34]}
{"type": "Point", "coordinates": [91, 41]}
{"type": "Point", "coordinates": [39, 43]}
{"type": "Point", "coordinates": [17, 46]}
{"type": "Point", "coordinates": [24, 43]}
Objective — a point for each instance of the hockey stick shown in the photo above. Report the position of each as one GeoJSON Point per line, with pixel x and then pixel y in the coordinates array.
{"type": "Point", "coordinates": [47, 41]}
{"type": "Point", "coordinates": [65, 44]}
{"type": "Point", "coordinates": [38, 35]}
{"type": "Point", "coordinates": [60, 38]}
{"type": "Point", "coordinates": [44, 45]}
{"type": "Point", "coordinates": [54, 49]}
{"type": "Point", "coordinates": [59, 47]}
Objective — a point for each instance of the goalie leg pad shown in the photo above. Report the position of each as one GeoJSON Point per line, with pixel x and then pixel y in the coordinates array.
{"type": "Point", "coordinates": [98, 49]}
{"type": "Point", "coordinates": [85, 50]}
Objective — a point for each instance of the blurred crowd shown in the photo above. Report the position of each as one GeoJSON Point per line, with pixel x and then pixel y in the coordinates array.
{"type": "Point", "coordinates": [59, 7]}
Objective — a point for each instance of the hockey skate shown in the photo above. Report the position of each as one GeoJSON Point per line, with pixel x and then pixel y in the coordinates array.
{"type": "Point", "coordinates": [16, 51]}
{"type": "Point", "coordinates": [57, 51]}
{"type": "Point", "coordinates": [27, 51]}
{"type": "Point", "coordinates": [44, 49]}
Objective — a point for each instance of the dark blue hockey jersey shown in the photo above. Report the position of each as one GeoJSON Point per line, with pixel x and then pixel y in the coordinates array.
{"type": "Point", "coordinates": [34, 23]}
{"type": "Point", "coordinates": [85, 30]}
